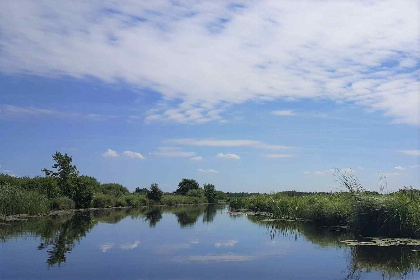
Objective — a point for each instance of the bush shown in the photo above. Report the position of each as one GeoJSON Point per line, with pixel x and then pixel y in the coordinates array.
{"type": "Point", "coordinates": [113, 189]}
{"type": "Point", "coordinates": [15, 200]}
{"type": "Point", "coordinates": [135, 200]}
{"type": "Point", "coordinates": [62, 203]}
{"type": "Point", "coordinates": [103, 201]}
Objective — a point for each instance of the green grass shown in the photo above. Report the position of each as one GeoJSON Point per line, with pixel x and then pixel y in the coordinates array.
{"type": "Point", "coordinates": [396, 214]}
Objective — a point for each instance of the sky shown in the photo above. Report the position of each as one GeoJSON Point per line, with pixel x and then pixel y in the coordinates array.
{"type": "Point", "coordinates": [254, 96]}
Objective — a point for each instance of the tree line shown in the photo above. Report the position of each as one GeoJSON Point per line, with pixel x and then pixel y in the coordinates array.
{"type": "Point", "coordinates": [64, 188]}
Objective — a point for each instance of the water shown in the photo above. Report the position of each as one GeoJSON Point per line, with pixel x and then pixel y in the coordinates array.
{"type": "Point", "coordinates": [195, 242]}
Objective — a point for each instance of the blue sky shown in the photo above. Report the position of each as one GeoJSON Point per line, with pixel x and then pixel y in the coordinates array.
{"type": "Point", "coordinates": [251, 96]}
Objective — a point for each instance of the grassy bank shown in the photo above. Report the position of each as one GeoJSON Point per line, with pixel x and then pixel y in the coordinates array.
{"type": "Point", "coordinates": [34, 196]}
{"type": "Point", "coordinates": [367, 214]}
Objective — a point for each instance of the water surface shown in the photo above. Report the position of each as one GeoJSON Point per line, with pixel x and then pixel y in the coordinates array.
{"type": "Point", "coordinates": [194, 242]}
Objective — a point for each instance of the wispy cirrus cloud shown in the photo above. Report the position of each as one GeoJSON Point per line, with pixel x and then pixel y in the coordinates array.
{"type": "Point", "coordinates": [283, 113]}
{"type": "Point", "coordinates": [358, 52]}
{"type": "Point", "coordinates": [172, 152]}
{"type": "Point", "coordinates": [226, 143]}
{"type": "Point", "coordinates": [208, 170]}
{"type": "Point", "coordinates": [279, 156]}
{"type": "Point", "coordinates": [15, 112]}
{"type": "Point", "coordinates": [410, 152]}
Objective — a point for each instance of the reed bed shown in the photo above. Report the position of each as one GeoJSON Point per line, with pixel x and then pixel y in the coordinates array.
{"type": "Point", "coordinates": [395, 214]}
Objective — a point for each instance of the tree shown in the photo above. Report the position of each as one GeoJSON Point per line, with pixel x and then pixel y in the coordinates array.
{"type": "Point", "coordinates": [79, 189]}
{"type": "Point", "coordinates": [210, 192]}
{"type": "Point", "coordinates": [154, 193]}
{"type": "Point", "coordinates": [65, 172]}
{"type": "Point", "coordinates": [185, 185]}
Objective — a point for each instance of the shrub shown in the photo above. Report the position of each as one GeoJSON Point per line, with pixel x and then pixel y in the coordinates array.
{"type": "Point", "coordinates": [62, 203]}
{"type": "Point", "coordinates": [113, 189]}
{"type": "Point", "coordinates": [135, 200]}
{"type": "Point", "coordinates": [103, 201]}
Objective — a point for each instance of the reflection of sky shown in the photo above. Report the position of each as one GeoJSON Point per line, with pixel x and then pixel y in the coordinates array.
{"type": "Point", "coordinates": [227, 248]}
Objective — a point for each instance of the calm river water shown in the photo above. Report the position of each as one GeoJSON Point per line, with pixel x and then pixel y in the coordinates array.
{"type": "Point", "coordinates": [194, 242]}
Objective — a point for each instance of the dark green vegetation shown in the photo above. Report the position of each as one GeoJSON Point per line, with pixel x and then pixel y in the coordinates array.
{"type": "Point", "coordinates": [63, 188]}
{"type": "Point", "coordinates": [366, 213]}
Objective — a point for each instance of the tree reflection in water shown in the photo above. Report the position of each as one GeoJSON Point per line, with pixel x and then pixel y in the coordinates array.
{"type": "Point", "coordinates": [391, 261]}
{"type": "Point", "coordinates": [63, 241]}
{"type": "Point", "coordinates": [60, 233]}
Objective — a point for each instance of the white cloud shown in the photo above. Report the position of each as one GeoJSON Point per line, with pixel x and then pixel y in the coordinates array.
{"type": "Point", "coordinates": [279, 156]}
{"type": "Point", "coordinates": [328, 171]}
{"type": "Point", "coordinates": [230, 243]}
{"type": "Point", "coordinates": [14, 112]}
{"type": "Point", "coordinates": [410, 152]}
{"type": "Point", "coordinates": [131, 154]}
{"type": "Point", "coordinates": [226, 143]}
{"type": "Point", "coordinates": [286, 113]}
{"type": "Point", "coordinates": [400, 168]}
{"type": "Point", "coordinates": [110, 153]}
{"type": "Point", "coordinates": [362, 52]}
{"type": "Point", "coordinates": [172, 152]}
{"type": "Point", "coordinates": [208, 170]}
{"type": "Point", "coordinates": [199, 158]}
{"type": "Point", "coordinates": [228, 156]}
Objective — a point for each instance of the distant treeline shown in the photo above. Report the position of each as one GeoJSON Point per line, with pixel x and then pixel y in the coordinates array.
{"type": "Point", "coordinates": [63, 188]}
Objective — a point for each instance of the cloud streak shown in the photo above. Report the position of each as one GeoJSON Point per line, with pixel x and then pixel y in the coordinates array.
{"type": "Point", "coordinates": [226, 143]}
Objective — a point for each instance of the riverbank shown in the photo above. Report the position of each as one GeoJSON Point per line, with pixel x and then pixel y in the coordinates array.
{"type": "Point", "coordinates": [366, 214]}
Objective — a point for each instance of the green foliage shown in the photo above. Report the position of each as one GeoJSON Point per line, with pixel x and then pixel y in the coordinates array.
{"type": "Point", "coordinates": [133, 200]}
{"type": "Point", "coordinates": [15, 200]}
{"type": "Point", "coordinates": [62, 203]}
{"type": "Point", "coordinates": [103, 201]}
{"type": "Point", "coordinates": [64, 171]}
{"type": "Point", "coordinates": [210, 192]}
{"type": "Point", "coordinates": [221, 196]}
{"type": "Point", "coordinates": [44, 185]}
{"type": "Point", "coordinates": [141, 191]}
{"type": "Point", "coordinates": [185, 185]}
{"type": "Point", "coordinates": [196, 193]}
{"type": "Point", "coordinates": [79, 189]}
{"type": "Point", "coordinates": [82, 191]}
{"type": "Point", "coordinates": [113, 189]}
{"type": "Point", "coordinates": [154, 193]}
